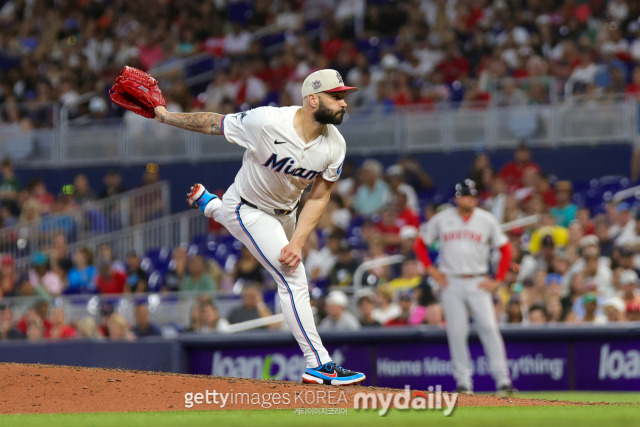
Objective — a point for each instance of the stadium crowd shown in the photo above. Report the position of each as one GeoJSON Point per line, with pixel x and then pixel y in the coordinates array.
{"type": "Point", "coordinates": [575, 265]}
{"type": "Point", "coordinates": [578, 264]}
{"type": "Point", "coordinates": [410, 52]}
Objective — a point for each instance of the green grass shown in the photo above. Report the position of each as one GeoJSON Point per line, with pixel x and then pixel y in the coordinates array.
{"type": "Point", "coordinates": [548, 416]}
{"type": "Point", "coordinates": [584, 396]}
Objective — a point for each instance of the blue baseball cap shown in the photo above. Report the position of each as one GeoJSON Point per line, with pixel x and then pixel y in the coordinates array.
{"type": "Point", "coordinates": [553, 277]}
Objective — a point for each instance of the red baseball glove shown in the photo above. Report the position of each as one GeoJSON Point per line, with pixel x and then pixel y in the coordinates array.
{"type": "Point", "coordinates": [137, 91]}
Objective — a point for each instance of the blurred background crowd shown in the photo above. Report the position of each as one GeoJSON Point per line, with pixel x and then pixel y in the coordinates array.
{"type": "Point", "coordinates": [577, 264]}
{"type": "Point", "coordinates": [574, 264]}
{"type": "Point", "coordinates": [408, 52]}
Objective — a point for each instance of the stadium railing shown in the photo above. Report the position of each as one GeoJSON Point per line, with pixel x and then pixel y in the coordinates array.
{"type": "Point", "coordinates": [443, 127]}
{"type": "Point", "coordinates": [91, 219]}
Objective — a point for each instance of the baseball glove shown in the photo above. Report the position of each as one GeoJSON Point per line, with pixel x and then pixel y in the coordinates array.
{"type": "Point", "coordinates": [137, 91]}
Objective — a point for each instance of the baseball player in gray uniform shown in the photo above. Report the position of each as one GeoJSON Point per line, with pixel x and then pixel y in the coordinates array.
{"type": "Point", "coordinates": [287, 149]}
{"type": "Point", "coordinates": [466, 235]}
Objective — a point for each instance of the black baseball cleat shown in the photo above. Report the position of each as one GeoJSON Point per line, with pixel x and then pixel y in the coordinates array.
{"type": "Point", "coordinates": [332, 374]}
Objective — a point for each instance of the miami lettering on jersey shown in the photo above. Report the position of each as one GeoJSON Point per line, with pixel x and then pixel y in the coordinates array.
{"type": "Point", "coordinates": [287, 166]}
{"type": "Point", "coordinates": [462, 235]}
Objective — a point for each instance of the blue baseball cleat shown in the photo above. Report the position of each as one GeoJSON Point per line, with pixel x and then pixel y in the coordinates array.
{"type": "Point", "coordinates": [332, 374]}
{"type": "Point", "coordinates": [198, 197]}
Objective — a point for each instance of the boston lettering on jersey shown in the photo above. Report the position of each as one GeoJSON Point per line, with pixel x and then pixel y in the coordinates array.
{"type": "Point", "coordinates": [462, 235]}
{"type": "Point", "coordinates": [287, 166]}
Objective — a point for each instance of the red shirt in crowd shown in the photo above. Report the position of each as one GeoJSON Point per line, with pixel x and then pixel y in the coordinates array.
{"type": "Point", "coordinates": [409, 217]}
{"type": "Point", "coordinates": [113, 284]}
{"type": "Point", "coordinates": [66, 331]}
{"type": "Point", "coordinates": [512, 173]}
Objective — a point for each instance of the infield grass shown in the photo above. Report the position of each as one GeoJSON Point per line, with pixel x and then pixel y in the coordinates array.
{"type": "Point", "coordinates": [626, 414]}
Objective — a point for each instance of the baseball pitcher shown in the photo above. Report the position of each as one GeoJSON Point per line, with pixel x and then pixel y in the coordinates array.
{"type": "Point", "coordinates": [466, 235]}
{"type": "Point", "coordinates": [287, 149]}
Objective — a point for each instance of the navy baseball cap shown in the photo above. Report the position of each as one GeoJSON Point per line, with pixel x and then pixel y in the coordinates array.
{"type": "Point", "coordinates": [466, 188]}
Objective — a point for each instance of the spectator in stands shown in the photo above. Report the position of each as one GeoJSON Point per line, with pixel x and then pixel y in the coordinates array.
{"type": "Point", "coordinates": [373, 193]}
{"type": "Point", "coordinates": [597, 273]}
{"type": "Point", "coordinates": [59, 259]}
{"type": "Point", "coordinates": [548, 227]}
{"type": "Point", "coordinates": [36, 316]}
{"type": "Point", "coordinates": [110, 280]}
{"type": "Point", "coordinates": [621, 220]}
{"type": "Point", "coordinates": [42, 278]}
{"type": "Point", "coordinates": [247, 268]}
{"type": "Point", "coordinates": [8, 279]}
{"type": "Point", "coordinates": [9, 186]}
{"type": "Point", "coordinates": [7, 218]}
{"type": "Point", "coordinates": [38, 191]}
{"type": "Point", "coordinates": [198, 280]}
{"type": "Point", "coordinates": [137, 279]}
{"type": "Point", "coordinates": [541, 261]}
{"type": "Point", "coordinates": [82, 276]}
{"type": "Point", "coordinates": [211, 320]}
{"type": "Point", "coordinates": [82, 190]}
{"type": "Point", "coordinates": [144, 328]}
{"type": "Point", "coordinates": [87, 328]}
{"type": "Point", "coordinates": [405, 302]}
{"type": "Point", "coordinates": [59, 328]}
{"type": "Point", "coordinates": [253, 307]}
{"type": "Point", "coordinates": [614, 310]}
{"type": "Point", "coordinates": [591, 313]}
{"type": "Point", "coordinates": [105, 253]}
{"type": "Point", "coordinates": [119, 328]}
{"type": "Point", "coordinates": [7, 330]}
{"type": "Point", "coordinates": [319, 263]}
{"type": "Point", "coordinates": [31, 211]}
{"type": "Point", "coordinates": [177, 270]}
{"type": "Point", "coordinates": [538, 314]}
{"type": "Point", "coordinates": [633, 311]}
{"type": "Point", "coordinates": [338, 316]}
{"type": "Point", "coordinates": [346, 264]}
{"type": "Point", "coordinates": [151, 204]}
{"type": "Point", "coordinates": [112, 184]}
{"type": "Point", "coordinates": [59, 218]}
{"type": "Point", "coordinates": [415, 175]}
{"type": "Point", "coordinates": [388, 227]}
{"type": "Point", "coordinates": [628, 290]}
{"type": "Point", "coordinates": [410, 277]}
{"type": "Point", "coordinates": [385, 309]}
{"type": "Point", "coordinates": [512, 171]}
{"type": "Point", "coordinates": [395, 179]}
{"type": "Point", "coordinates": [366, 306]}
{"type": "Point", "coordinates": [480, 164]}
{"type": "Point", "coordinates": [514, 311]}
{"type": "Point", "coordinates": [565, 211]}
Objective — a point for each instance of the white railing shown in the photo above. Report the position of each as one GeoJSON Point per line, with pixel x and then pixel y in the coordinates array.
{"type": "Point", "coordinates": [94, 218]}
{"type": "Point", "coordinates": [369, 130]}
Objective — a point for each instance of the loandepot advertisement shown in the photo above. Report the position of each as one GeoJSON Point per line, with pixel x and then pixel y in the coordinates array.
{"type": "Point", "coordinates": [591, 364]}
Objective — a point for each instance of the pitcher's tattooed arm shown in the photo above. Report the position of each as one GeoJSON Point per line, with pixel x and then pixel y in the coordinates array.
{"type": "Point", "coordinates": [209, 123]}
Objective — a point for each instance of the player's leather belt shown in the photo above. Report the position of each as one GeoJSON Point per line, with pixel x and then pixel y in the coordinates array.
{"type": "Point", "coordinates": [275, 211]}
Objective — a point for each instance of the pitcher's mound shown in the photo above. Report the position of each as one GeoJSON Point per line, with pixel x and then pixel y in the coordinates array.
{"type": "Point", "coordinates": [29, 388]}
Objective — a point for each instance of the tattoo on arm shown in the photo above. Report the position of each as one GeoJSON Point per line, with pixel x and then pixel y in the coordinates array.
{"type": "Point", "coordinates": [209, 123]}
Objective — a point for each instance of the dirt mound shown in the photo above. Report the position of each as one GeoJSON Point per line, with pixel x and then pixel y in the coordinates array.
{"type": "Point", "coordinates": [29, 388]}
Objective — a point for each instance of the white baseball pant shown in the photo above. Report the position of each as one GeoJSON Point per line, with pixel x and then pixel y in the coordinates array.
{"type": "Point", "coordinates": [461, 296]}
{"type": "Point", "coordinates": [265, 235]}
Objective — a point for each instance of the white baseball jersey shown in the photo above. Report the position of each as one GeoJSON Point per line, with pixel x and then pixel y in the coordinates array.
{"type": "Point", "coordinates": [464, 244]}
{"type": "Point", "coordinates": [277, 165]}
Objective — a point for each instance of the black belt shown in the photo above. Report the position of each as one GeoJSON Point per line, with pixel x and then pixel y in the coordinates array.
{"type": "Point", "coordinates": [275, 211]}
